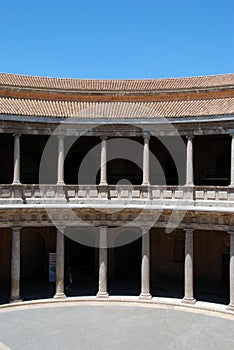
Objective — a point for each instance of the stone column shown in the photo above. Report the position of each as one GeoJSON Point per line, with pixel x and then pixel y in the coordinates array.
{"type": "Point", "coordinates": [16, 176]}
{"type": "Point", "coordinates": [189, 166]}
{"type": "Point", "coordinates": [102, 290]}
{"type": "Point", "coordinates": [146, 161]}
{"type": "Point", "coordinates": [145, 266]}
{"type": "Point", "coordinates": [188, 268]}
{"type": "Point", "coordinates": [59, 294]}
{"type": "Point", "coordinates": [232, 161]}
{"type": "Point", "coordinates": [103, 167]}
{"type": "Point", "coordinates": [60, 160]}
{"type": "Point", "coordinates": [231, 270]}
{"type": "Point", "coordinates": [15, 265]}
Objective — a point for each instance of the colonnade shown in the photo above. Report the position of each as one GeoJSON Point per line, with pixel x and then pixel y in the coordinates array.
{"type": "Point", "coordinates": [103, 265]}
{"type": "Point", "coordinates": [103, 165]}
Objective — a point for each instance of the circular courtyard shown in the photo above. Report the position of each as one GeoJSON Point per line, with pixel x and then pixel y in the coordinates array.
{"type": "Point", "coordinates": [104, 325]}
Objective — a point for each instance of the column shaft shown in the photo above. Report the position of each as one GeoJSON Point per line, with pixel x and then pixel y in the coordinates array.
{"type": "Point", "coordinates": [146, 161]}
{"type": "Point", "coordinates": [103, 170]}
{"type": "Point", "coordinates": [16, 176]}
{"type": "Point", "coordinates": [102, 290]}
{"type": "Point", "coordinates": [60, 264]}
{"type": "Point", "coordinates": [60, 160]}
{"type": "Point", "coordinates": [188, 268]}
{"type": "Point", "coordinates": [231, 270]}
{"type": "Point", "coordinates": [15, 265]}
{"type": "Point", "coordinates": [232, 161]}
{"type": "Point", "coordinates": [145, 267]}
{"type": "Point", "coordinates": [189, 166]}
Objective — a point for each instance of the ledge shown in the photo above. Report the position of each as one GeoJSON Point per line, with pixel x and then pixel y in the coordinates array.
{"type": "Point", "coordinates": [158, 302]}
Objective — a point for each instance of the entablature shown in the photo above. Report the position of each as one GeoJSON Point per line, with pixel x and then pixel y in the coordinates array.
{"type": "Point", "coordinates": [91, 217]}
{"type": "Point", "coordinates": [113, 128]}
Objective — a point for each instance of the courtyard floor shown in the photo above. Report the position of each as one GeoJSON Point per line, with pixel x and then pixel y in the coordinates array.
{"type": "Point", "coordinates": [112, 326]}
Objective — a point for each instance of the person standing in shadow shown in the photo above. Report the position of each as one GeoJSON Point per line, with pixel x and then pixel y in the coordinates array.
{"type": "Point", "coordinates": [68, 278]}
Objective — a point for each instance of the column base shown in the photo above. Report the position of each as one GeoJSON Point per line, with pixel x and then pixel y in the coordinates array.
{"type": "Point", "coordinates": [102, 295]}
{"type": "Point", "coordinates": [188, 300]}
{"type": "Point", "coordinates": [230, 307]}
{"type": "Point", "coordinates": [145, 296]}
{"type": "Point", "coordinates": [15, 300]}
{"type": "Point", "coordinates": [59, 296]}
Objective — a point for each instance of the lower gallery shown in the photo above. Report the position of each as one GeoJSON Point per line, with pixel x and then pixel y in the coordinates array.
{"type": "Point", "coordinates": [130, 183]}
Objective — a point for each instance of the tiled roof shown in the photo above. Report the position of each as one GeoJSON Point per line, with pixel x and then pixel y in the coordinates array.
{"type": "Point", "coordinates": [13, 80]}
{"type": "Point", "coordinates": [29, 107]}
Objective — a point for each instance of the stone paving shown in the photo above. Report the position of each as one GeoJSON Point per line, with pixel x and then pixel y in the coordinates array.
{"type": "Point", "coordinates": [113, 326]}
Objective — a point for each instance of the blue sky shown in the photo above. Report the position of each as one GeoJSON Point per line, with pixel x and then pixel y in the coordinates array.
{"type": "Point", "coordinates": [117, 39]}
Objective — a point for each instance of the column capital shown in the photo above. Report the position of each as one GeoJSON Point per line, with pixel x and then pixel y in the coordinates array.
{"type": "Point", "coordinates": [231, 233]}
{"type": "Point", "coordinates": [17, 135]}
{"type": "Point", "coordinates": [103, 226]}
{"type": "Point", "coordinates": [145, 229]}
{"type": "Point", "coordinates": [190, 136]}
{"type": "Point", "coordinates": [16, 228]}
{"type": "Point", "coordinates": [61, 228]}
{"type": "Point", "coordinates": [103, 137]}
{"type": "Point", "coordinates": [188, 230]}
{"type": "Point", "coordinates": [61, 136]}
{"type": "Point", "coordinates": [146, 135]}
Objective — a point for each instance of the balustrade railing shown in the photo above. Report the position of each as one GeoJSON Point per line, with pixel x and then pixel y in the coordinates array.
{"type": "Point", "coordinates": [202, 195]}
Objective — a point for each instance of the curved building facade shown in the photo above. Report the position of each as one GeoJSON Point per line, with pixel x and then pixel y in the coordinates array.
{"type": "Point", "coordinates": [130, 183]}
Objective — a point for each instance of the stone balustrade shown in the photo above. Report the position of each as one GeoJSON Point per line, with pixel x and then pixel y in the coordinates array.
{"type": "Point", "coordinates": [153, 195]}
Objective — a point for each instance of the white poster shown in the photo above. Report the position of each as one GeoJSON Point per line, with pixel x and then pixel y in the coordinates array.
{"type": "Point", "coordinates": [52, 267]}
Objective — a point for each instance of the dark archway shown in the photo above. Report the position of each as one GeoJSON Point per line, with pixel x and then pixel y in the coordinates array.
{"type": "Point", "coordinates": [83, 149]}
{"type": "Point", "coordinates": [81, 256]}
{"type": "Point", "coordinates": [5, 265]}
{"type": "Point", "coordinates": [211, 266]}
{"type": "Point", "coordinates": [32, 255]}
{"type": "Point", "coordinates": [123, 169]}
{"type": "Point", "coordinates": [71, 166]}
{"type": "Point", "coordinates": [223, 169]}
{"type": "Point", "coordinates": [169, 155]}
{"type": "Point", "coordinates": [6, 161]}
{"type": "Point", "coordinates": [125, 278]}
{"type": "Point", "coordinates": [31, 150]}
{"type": "Point", "coordinates": [212, 159]}
{"type": "Point", "coordinates": [167, 263]}
{"type": "Point", "coordinates": [30, 165]}
{"type": "Point", "coordinates": [34, 268]}
{"type": "Point", "coordinates": [170, 172]}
